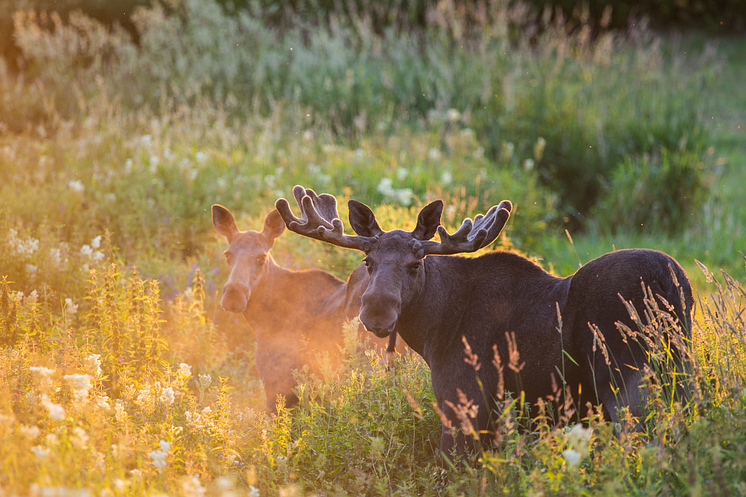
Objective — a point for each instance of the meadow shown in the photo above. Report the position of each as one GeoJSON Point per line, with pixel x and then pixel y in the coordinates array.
{"type": "Point", "coordinates": [121, 375]}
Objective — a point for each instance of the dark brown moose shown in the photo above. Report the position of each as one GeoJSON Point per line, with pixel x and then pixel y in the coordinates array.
{"type": "Point", "coordinates": [295, 315]}
{"type": "Point", "coordinates": [434, 303]}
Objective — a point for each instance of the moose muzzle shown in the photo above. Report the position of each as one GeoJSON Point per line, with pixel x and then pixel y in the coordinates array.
{"type": "Point", "coordinates": [380, 314]}
{"type": "Point", "coordinates": [235, 297]}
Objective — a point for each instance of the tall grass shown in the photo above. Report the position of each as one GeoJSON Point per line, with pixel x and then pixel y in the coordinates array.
{"type": "Point", "coordinates": [93, 403]}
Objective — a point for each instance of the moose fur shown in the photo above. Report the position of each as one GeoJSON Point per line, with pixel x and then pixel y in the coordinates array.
{"type": "Point", "coordinates": [434, 302]}
{"type": "Point", "coordinates": [296, 315]}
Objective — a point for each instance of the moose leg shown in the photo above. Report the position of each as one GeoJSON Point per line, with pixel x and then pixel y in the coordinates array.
{"type": "Point", "coordinates": [628, 392]}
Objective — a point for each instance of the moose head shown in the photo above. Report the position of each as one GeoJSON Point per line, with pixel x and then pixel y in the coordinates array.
{"type": "Point", "coordinates": [247, 255]}
{"type": "Point", "coordinates": [393, 258]}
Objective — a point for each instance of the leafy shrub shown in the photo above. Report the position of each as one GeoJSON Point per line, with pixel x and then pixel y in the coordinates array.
{"type": "Point", "coordinates": [657, 192]}
{"type": "Point", "coordinates": [554, 86]}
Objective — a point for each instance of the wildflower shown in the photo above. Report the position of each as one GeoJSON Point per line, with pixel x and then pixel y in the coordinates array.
{"type": "Point", "coordinates": [40, 452]}
{"type": "Point", "coordinates": [539, 146]}
{"type": "Point", "coordinates": [79, 381]}
{"type": "Point", "coordinates": [32, 298]}
{"type": "Point", "coordinates": [146, 141]}
{"type": "Point", "coordinates": [76, 185]}
{"type": "Point", "coordinates": [159, 459]}
{"type": "Point", "coordinates": [184, 372]}
{"type": "Point", "coordinates": [253, 491]}
{"type": "Point", "coordinates": [528, 164]}
{"type": "Point", "coordinates": [120, 485]}
{"type": "Point", "coordinates": [43, 375]}
{"type": "Point", "coordinates": [200, 156]}
{"type": "Point", "coordinates": [204, 381]}
{"type": "Point", "coordinates": [22, 246]}
{"type": "Point", "coordinates": [579, 436]}
{"type": "Point", "coordinates": [102, 401]}
{"type": "Point", "coordinates": [52, 440]}
{"type": "Point", "coordinates": [30, 432]}
{"type": "Point", "coordinates": [86, 250]}
{"type": "Point", "coordinates": [404, 196]}
{"type": "Point", "coordinates": [192, 486]}
{"type": "Point", "coordinates": [434, 154]}
{"type": "Point", "coordinates": [56, 411]}
{"type": "Point", "coordinates": [572, 457]}
{"type": "Point", "coordinates": [56, 255]}
{"type": "Point", "coordinates": [446, 178]}
{"type": "Point", "coordinates": [92, 364]}
{"type": "Point", "coordinates": [70, 307]}
{"type": "Point", "coordinates": [385, 187]}
{"type": "Point", "coordinates": [167, 396]}
{"type": "Point", "coordinates": [79, 438]}
{"type": "Point", "coordinates": [31, 269]}
{"type": "Point", "coordinates": [80, 384]}
{"type": "Point", "coordinates": [401, 173]}
{"type": "Point", "coordinates": [119, 413]}
{"type": "Point", "coordinates": [453, 115]}
{"type": "Point", "coordinates": [146, 399]}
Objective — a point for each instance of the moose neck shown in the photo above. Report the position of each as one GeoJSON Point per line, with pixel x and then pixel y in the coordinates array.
{"type": "Point", "coordinates": [431, 324]}
{"type": "Point", "coordinates": [283, 299]}
{"type": "Point", "coordinates": [271, 301]}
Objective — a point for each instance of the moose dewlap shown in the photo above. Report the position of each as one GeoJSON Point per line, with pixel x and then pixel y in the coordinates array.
{"type": "Point", "coordinates": [437, 301]}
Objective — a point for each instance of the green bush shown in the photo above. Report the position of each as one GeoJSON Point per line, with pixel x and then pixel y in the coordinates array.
{"type": "Point", "coordinates": [554, 87]}
{"type": "Point", "coordinates": [657, 192]}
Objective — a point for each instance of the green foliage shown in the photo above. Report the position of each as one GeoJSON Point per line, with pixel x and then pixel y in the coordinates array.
{"type": "Point", "coordinates": [654, 193]}
{"type": "Point", "coordinates": [506, 93]}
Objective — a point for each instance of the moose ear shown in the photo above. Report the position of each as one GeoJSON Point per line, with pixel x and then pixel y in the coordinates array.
{"type": "Point", "coordinates": [273, 225]}
{"type": "Point", "coordinates": [224, 222]}
{"type": "Point", "coordinates": [362, 219]}
{"type": "Point", "coordinates": [428, 221]}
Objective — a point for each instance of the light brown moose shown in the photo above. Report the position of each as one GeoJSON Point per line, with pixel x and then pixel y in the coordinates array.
{"type": "Point", "coordinates": [296, 315]}
{"type": "Point", "coordinates": [435, 300]}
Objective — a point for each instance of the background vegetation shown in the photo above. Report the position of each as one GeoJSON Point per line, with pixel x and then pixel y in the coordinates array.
{"type": "Point", "coordinates": [122, 373]}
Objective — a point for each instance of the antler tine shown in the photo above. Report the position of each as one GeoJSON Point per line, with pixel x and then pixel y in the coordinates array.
{"type": "Point", "coordinates": [472, 235]}
{"type": "Point", "coordinates": [319, 219]}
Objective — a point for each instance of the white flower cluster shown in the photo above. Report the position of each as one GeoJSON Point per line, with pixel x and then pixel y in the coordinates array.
{"type": "Point", "coordinates": [159, 456]}
{"type": "Point", "coordinates": [80, 383]}
{"type": "Point", "coordinates": [184, 372]}
{"type": "Point", "coordinates": [22, 246]}
{"type": "Point", "coordinates": [402, 196]}
{"type": "Point", "coordinates": [199, 420]}
{"type": "Point", "coordinates": [71, 308]}
{"type": "Point", "coordinates": [88, 250]}
{"type": "Point", "coordinates": [56, 411]}
{"type": "Point", "coordinates": [76, 185]}
{"type": "Point", "coordinates": [577, 440]}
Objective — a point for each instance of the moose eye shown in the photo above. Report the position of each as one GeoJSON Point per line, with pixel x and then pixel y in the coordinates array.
{"type": "Point", "coordinates": [368, 264]}
{"type": "Point", "coordinates": [261, 259]}
{"type": "Point", "coordinates": [415, 267]}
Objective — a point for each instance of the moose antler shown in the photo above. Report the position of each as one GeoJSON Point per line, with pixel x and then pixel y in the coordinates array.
{"type": "Point", "coordinates": [319, 219]}
{"type": "Point", "coordinates": [472, 235]}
